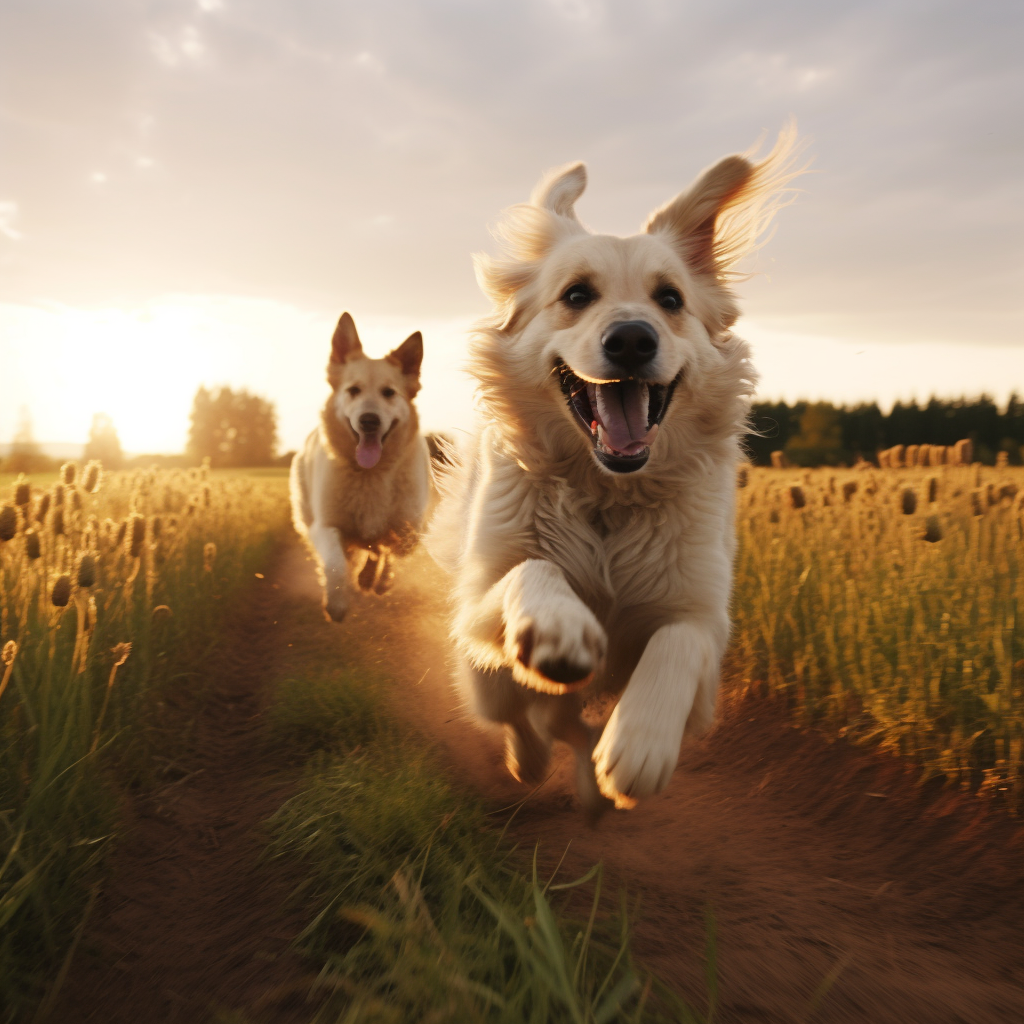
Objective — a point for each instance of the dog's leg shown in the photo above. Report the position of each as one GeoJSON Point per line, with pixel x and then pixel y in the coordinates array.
{"type": "Point", "coordinates": [493, 694]}
{"type": "Point", "coordinates": [562, 721]}
{"type": "Point", "coordinates": [326, 540]}
{"type": "Point", "coordinates": [368, 572]}
{"type": "Point", "coordinates": [385, 573]}
{"type": "Point", "coordinates": [675, 681]}
{"type": "Point", "coordinates": [532, 622]}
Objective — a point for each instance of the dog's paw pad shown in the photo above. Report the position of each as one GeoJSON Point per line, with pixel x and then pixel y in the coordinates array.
{"type": "Point", "coordinates": [562, 670]}
{"type": "Point", "coordinates": [559, 651]}
{"type": "Point", "coordinates": [335, 612]}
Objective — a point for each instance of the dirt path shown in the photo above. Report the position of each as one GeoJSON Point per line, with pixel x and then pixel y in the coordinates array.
{"type": "Point", "coordinates": [190, 923]}
{"type": "Point", "coordinates": [816, 861]}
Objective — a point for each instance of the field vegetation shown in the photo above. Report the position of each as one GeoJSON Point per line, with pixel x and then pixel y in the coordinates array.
{"type": "Point", "coordinates": [418, 908]}
{"type": "Point", "coordinates": [112, 588]}
{"type": "Point", "coordinates": [886, 604]}
{"type": "Point", "coordinates": [880, 603]}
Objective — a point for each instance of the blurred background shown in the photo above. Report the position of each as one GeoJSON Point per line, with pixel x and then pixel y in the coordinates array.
{"type": "Point", "coordinates": [191, 192]}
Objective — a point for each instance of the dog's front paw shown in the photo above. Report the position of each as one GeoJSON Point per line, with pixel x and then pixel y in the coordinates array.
{"type": "Point", "coordinates": [558, 650]}
{"type": "Point", "coordinates": [336, 600]}
{"type": "Point", "coordinates": [636, 755]}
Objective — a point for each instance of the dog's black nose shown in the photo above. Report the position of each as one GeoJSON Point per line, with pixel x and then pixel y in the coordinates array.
{"type": "Point", "coordinates": [630, 344]}
{"type": "Point", "coordinates": [369, 423]}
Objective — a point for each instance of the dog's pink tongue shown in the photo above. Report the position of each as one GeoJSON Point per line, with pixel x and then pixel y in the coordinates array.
{"type": "Point", "coordinates": [368, 450]}
{"type": "Point", "coordinates": [622, 411]}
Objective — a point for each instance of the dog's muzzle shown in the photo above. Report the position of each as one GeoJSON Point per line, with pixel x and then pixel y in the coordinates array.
{"type": "Point", "coordinates": [621, 417]}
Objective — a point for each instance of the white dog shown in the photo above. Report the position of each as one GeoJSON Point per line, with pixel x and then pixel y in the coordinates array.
{"type": "Point", "coordinates": [360, 485]}
{"type": "Point", "coordinates": [590, 531]}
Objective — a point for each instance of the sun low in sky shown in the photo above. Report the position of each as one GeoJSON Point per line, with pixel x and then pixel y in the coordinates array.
{"type": "Point", "coordinates": [192, 193]}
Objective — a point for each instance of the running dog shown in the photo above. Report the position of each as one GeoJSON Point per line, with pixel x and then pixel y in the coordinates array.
{"type": "Point", "coordinates": [360, 485]}
{"type": "Point", "coordinates": [589, 532]}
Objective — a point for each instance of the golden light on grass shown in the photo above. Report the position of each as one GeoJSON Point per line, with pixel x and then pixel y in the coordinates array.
{"type": "Point", "coordinates": [887, 617]}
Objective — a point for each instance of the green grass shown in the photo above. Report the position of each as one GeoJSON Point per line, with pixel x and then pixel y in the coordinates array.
{"type": "Point", "coordinates": [418, 908]}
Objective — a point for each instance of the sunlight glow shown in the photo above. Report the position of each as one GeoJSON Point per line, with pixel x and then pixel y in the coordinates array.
{"type": "Point", "coordinates": [142, 367]}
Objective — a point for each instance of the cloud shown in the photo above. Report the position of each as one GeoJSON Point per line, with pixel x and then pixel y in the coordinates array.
{"type": "Point", "coordinates": [309, 119]}
{"type": "Point", "coordinates": [8, 215]}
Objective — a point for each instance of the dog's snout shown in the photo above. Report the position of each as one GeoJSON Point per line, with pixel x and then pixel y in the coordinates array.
{"type": "Point", "coordinates": [630, 343]}
{"type": "Point", "coordinates": [369, 422]}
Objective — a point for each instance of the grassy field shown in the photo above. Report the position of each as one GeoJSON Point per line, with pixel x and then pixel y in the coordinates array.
{"type": "Point", "coordinates": [885, 604]}
{"type": "Point", "coordinates": [880, 604]}
{"type": "Point", "coordinates": [420, 911]}
{"type": "Point", "coordinates": [111, 590]}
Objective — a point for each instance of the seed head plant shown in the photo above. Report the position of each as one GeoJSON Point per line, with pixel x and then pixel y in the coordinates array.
{"type": "Point", "coordinates": [61, 592]}
{"type": "Point", "coordinates": [8, 522]}
{"type": "Point", "coordinates": [72, 702]}
{"type": "Point", "coordinates": [93, 477]}
{"type": "Point", "coordinates": [880, 623]}
{"type": "Point", "coordinates": [22, 491]}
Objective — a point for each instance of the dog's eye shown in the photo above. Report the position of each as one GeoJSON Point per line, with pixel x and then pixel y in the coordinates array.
{"type": "Point", "coordinates": [354, 390]}
{"type": "Point", "coordinates": [388, 392]}
{"type": "Point", "coordinates": [578, 296]}
{"type": "Point", "coordinates": [669, 298]}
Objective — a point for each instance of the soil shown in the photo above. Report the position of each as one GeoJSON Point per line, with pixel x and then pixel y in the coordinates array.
{"type": "Point", "coordinates": [838, 889]}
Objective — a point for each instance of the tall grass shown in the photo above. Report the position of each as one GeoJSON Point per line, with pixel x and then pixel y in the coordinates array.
{"type": "Point", "coordinates": [111, 590]}
{"type": "Point", "coordinates": [886, 604]}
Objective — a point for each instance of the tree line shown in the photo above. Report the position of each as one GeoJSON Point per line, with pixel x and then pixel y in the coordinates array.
{"type": "Point", "coordinates": [819, 433]}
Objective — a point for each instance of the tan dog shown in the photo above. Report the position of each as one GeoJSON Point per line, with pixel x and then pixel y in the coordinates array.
{"type": "Point", "coordinates": [590, 531]}
{"type": "Point", "coordinates": [360, 485]}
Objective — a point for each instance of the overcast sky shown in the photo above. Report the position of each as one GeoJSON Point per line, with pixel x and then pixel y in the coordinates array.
{"type": "Point", "coordinates": [200, 188]}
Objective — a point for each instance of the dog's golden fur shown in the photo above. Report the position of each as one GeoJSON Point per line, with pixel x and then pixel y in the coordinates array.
{"type": "Point", "coordinates": [589, 560]}
{"type": "Point", "coordinates": [359, 495]}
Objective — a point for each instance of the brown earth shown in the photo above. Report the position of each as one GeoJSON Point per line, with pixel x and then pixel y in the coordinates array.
{"type": "Point", "coordinates": [839, 890]}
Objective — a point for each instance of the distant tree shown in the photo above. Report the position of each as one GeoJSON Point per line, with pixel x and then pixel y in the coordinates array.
{"type": "Point", "coordinates": [103, 443]}
{"type": "Point", "coordinates": [25, 455]}
{"type": "Point", "coordinates": [774, 423]}
{"type": "Point", "coordinates": [232, 428]}
{"type": "Point", "coordinates": [820, 440]}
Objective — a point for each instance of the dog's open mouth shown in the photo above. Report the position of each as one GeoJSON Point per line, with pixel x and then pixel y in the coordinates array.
{"type": "Point", "coordinates": [620, 417]}
{"type": "Point", "coordinates": [370, 445]}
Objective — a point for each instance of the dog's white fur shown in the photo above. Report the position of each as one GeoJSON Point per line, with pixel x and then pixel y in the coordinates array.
{"type": "Point", "coordinates": [355, 518]}
{"type": "Point", "coordinates": [623, 579]}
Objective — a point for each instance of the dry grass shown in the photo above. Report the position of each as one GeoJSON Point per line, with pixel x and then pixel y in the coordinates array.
{"type": "Point", "coordinates": [107, 598]}
{"type": "Point", "coordinates": [886, 604]}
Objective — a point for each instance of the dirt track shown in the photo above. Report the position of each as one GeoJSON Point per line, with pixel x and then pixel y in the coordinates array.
{"type": "Point", "coordinates": [814, 860]}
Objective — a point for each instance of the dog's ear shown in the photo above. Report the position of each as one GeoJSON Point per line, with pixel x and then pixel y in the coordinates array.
{"type": "Point", "coordinates": [345, 343]}
{"type": "Point", "coordinates": [689, 219]}
{"type": "Point", "coordinates": [559, 189]}
{"type": "Point", "coordinates": [726, 215]}
{"type": "Point", "coordinates": [727, 212]}
{"type": "Point", "coordinates": [408, 357]}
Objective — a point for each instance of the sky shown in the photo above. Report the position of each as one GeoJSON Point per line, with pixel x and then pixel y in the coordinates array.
{"type": "Point", "coordinates": [192, 191]}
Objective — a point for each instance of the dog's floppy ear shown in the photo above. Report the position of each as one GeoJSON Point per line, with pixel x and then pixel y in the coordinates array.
{"type": "Point", "coordinates": [690, 218]}
{"type": "Point", "coordinates": [527, 233]}
{"type": "Point", "coordinates": [345, 343]}
{"type": "Point", "coordinates": [408, 357]}
{"type": "Point", "coordinates": [559, 189]}
{"type": "Point", "coordinates": [726, 215]}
